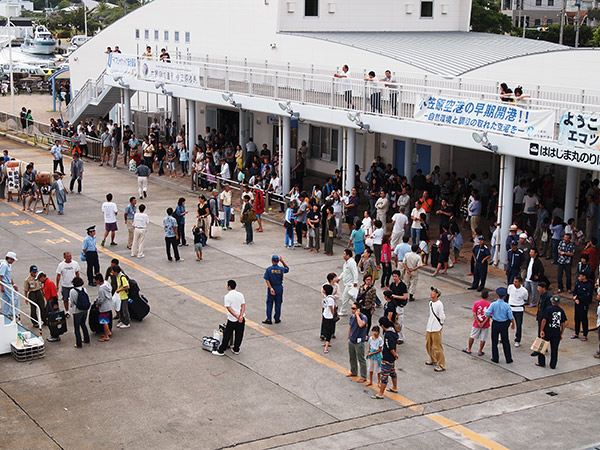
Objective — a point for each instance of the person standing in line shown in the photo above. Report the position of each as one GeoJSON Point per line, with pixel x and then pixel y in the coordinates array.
{"type": "Point", "coordinates": [543, 303]}
{"type": "Point", "coordinates": [171, 235]}
{"type": "Point", "coordinates": [502, 317]}
{"type": "Point", "coordinates": [433, 335]}
{"type": "Point", "coordinates": [129, 215]}
{"type": "Point", "coordinates": [33, 290]}
{"type": "Point", "coordinates": [481, 324]}
{"type": "Point", "coordinates": [300, 216]}
{"type": "Point", "coordinates": [91, 254]}
{"type": "Point", "coordinates": [329, 228]}
{"type": "Point", "coordinates": [481, 254]}
{"type": "Point", "coordinates": [313, 224]}
{"type": "Point", "coordinates": [517, 298]}
{"type": "Point", "coordinates": [115, 144]}
{"type": "Point", "coordinates": [582, 296]}
{"type": "Point", "coordinates": [179, 215]}
{"type": "Point", "coordinates": [66, 271]}
{"type": "Point", "coordinates": [76, 173]}
{"type": "Point", "coordinates": [327, 321]}
{"type": "Point", "coordinates": [553, 327]}
{"type": "Point", "coordinates": [104, 304]}
{"type": "Point", "coordinates": [106, 139]}
{"type": "Point", "coordinates": [298, 169]}
{"type": "Point", "coordinates": [350, 280]}
{"type": "Point", "coordinates": [400, 299]}
{"type": "Point", "coordinates": [57, 157]}
{"type": "Point", "coordinates": [110, 219]}
{"type": "Point", "coordinates": [357, 337]}
{"type": "Point", "coordinates": [515, 258]}
{"type": "Point", "coordinates": [246, 212]}
{"type": "Point", "coordinates": [235, 304]}
{"type": "Point", "coordinates": [533, 275]}
{"type": "Point", "coordinates": [225, 198]}
{"type": "Point", "coordinates": [412, 263]}
{"type": "Point", "coordinates": [123, 291]}
{"type": "Point", "coordinates": [143, 172]}
{"type": "Point", "coordinates": [51, 296]}
{"type": "Point", "coordinates": [566, 251]}
{"type": "Point", "coordinates": [77, 303]}
{"type": "Point", "coordinates": [374, 356]}
{"type": "Point", "coordinates": [140, 226]}
{"type": "Point", "coordinates": [389, 355]}
{"type": "Point", "coordinates": [274, 278]}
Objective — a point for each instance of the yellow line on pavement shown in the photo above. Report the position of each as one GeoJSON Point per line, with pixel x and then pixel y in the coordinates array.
{"type": "Point", "coordinates": [443, 421]}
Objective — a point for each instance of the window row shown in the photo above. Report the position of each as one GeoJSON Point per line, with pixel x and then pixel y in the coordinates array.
{"type": "Point", "coordinates": [311, 8]}
{"type": "Point", "coordinates": [166, 34]}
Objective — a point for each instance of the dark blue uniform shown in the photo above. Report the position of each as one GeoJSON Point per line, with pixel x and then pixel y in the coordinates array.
{"type": "Point", "coordinates": [515, 260]}
{"type": "Point", "coordinates": [480, 274]}
{"type": "Point", "coordinates": [510, 239]}
{"type": "Point", "coordinates": [274, 275]}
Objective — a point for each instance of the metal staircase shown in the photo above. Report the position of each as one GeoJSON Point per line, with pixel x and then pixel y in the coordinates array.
{"type": "Point", "coordinates": [94, 99]}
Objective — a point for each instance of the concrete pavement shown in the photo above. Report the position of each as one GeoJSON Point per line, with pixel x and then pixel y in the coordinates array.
{"type": "Point", "coordinates": [152, 386]}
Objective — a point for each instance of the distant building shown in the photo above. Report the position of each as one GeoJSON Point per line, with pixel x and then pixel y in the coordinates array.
{"type": "Point", "coordinates": [543, 12]}
{"type": "Point", "coordinates": [14, 8]}
{"type": "Point", "coordinates": [21, 27]}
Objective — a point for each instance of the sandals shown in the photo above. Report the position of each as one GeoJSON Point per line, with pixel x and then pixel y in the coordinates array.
{"type": "Point", "coordinates": [429, 363]}
{"type": "Point", "coordinates": [103, 339]}
{"type": "Point", "coordinates": [392, 390]}
{"type": "Point", "coordinates": [464, 350]}
{"type": "Point", "coordinates": [376, 397]}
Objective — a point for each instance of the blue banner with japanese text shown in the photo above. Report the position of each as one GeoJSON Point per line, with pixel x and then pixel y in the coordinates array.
{"type": "Point", "coordinates": [579, 129]}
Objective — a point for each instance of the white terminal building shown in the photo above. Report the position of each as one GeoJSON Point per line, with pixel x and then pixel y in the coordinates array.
{"type": "Point", "coordinates": [266, 68]}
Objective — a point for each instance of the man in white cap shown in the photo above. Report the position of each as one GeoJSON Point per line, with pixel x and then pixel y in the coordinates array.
{"type": "Point", "coordinates": [512, 236]}
{"type": "Point", "coordinates": [8, 284]}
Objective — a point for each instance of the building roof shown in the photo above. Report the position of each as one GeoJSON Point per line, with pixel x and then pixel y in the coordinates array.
{"type": "Point", "coordinates": [441, 53]}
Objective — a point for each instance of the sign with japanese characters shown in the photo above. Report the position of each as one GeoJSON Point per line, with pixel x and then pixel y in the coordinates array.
{"type": "Point", "coordinates": [119, 64]}
{"type": "Point", "coordinates": [579, 130]}
{"type": "Point", "coordinates": [184, 75]}
{"type": "Point", "coordinates": [565, 155]}
{"type": "Point", "coordinates": [505, 118]}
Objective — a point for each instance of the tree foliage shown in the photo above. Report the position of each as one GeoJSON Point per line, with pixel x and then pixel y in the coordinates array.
{"type": "Point", "coordinates": [486, 17]}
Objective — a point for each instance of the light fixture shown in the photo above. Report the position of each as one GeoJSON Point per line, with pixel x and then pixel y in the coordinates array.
{"type": "Point", "coordinates": [119, 79]}
{"type": "Point", "coordinates": [355, 118]}
{"type": "Point", "coordinates": [287, 107]}
{"type": "Point", "coordinates": [482, 138]}
{"type": "Point", "coordinates": [160, 85]}
{"type": "Point", "coordinates": [228, 97]}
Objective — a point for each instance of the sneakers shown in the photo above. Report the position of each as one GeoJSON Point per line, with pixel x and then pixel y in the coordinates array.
{"type": "Point", "coordinates": [53, 339]}
{"type": "Point", "coordinates": [68, 314]}
{"type": "Point", "coordinates": [103, 242]}
{"type": "Point", "coordinates": [216, 353]}
{"type": "Point", "coordinates": [575, 336]}
{"type": "Point", "coordinates": [122, 325]}
{"type": "Point", "coordinates": [113, 244]}
{"type": "Point", "coordinates": [517, 344]}
{"type": "Point", "coordinates": [267, 322]}
{"type": "Point", "coordinates": [180, 260]}
{"type": "Point", "coordinates": [235, 353]}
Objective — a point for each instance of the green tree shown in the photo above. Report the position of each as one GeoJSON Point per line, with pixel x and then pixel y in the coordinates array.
{"type": "Point", "coordinates": [486, 17]}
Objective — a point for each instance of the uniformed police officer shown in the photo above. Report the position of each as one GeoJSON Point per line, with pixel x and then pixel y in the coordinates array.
{"type": "Point", "coordinates": [274, 279]}
{"type": "Point", "coordinates": [515, 260]}
{"type": "Point", "coordinates": [91, 254]}
{"type": "Point", "coordinates": [482, 256]}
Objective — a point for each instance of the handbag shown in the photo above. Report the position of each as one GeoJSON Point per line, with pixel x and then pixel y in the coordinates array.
{"type": "Point", "coordinates": [540, 345]}
{"type": "Point", "coordinates": [116, 299]}
{"type": "Point", "coordinates": [215, 231]}
{"type": "Point", "coordinates": [336, 316]}
{"type": "Point", "coordinates": [221, 215]}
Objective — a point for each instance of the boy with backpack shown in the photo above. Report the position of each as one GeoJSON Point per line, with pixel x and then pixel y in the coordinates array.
{"type": "Point", "coordinates": [79, 304]}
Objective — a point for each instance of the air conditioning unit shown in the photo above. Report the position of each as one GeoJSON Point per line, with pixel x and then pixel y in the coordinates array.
{"type": "Point", "coordinates": [291, 7]}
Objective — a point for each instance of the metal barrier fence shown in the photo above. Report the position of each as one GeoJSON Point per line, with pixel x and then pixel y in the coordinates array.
{"type": "Point", "coordinates": [43, 135]}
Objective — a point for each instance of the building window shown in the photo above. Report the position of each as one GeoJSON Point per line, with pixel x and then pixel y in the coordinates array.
{"type": "Point", "coordinates": [550, 2]}
{"type": "Point", "coordinates": [324, 143]}
{"type": "Point", "coordinates": [538, 2]}
{"type": "Point", "coordinates": [156, 35]}
{"type": "Point", "coordinates": [507, 4]}
{"type": "Point", "coordinates": [177, 36]}
{"type": "Point", "coordinates": [146, 34]}
{"type": "Point", "coordinates": [311, 8]}
{"type": "Point", "coordinates": [426, 8]}
{"type": "Point", "coordinates": [538, 22]}
{"type": "Point", "coordinates": [137, 33]}
{"type": "Point", "coordinates": [549, 21]}
{"type": "Point", "coordinates": [166, 36]}
{"type": "Point", "coordinates": [187, 37]}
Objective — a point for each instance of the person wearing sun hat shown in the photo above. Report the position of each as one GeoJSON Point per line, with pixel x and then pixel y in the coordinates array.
{"type": "Point", "coordinates": [502, 317]}
{"type": "Point", "coordinates": [8, 285]}
{"type": "Point", "coordinates": [33, 290]}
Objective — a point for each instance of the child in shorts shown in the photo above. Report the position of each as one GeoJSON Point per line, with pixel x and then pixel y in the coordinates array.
{"type": "Point", "coordinates": [374, 355]}
{"type": "Point", "coordinates": [199, 241]}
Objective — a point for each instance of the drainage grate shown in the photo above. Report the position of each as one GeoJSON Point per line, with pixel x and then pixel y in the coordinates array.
{"type": "Point", "coordinates": [551, 393]}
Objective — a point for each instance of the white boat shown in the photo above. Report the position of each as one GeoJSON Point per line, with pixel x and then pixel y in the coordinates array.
{"type": "Point", "coordinates": [42, 43]}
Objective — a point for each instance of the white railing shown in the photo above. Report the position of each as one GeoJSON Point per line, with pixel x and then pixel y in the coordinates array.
{"type": "Point", "coordinates": [15, 312]}
{"type": "Point", "coordinates": [89, 91]}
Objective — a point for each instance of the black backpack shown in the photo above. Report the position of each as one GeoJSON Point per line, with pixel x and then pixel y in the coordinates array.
{"type": "Point", "coordinates": [83, 300]}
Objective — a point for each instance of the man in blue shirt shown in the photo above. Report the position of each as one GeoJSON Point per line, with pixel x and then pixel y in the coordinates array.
{"type": "Point", "coordinates": [401, 250]}
{"type": "Point", "coordinates": [357, 337]}
{"type": "Point", "coordinates": [515, 259]}
{"type": "Point", "coordinates": [57, 157]}
{"type": "Point", "coordinates": [91, 254]}
{"type": "Point", "coordinates": [566, 251]}
{"type": "Point", "coordinates": [502, 317]}
{"type": "Point", "coordinates": [274, 279]}
{"type": "Point", "coordinates": [171, 235]}
{"type": "Point", "coordinates": [482, 256]}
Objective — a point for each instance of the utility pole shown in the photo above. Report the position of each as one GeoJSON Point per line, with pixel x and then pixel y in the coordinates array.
{"type": "Point", "coordinates": [563, 11]}
{"type": "Point", "coordinates": [85, 20]}
{"type": "Point", "coordinates": [524, 17]}
{"type": "Point", "coordinates": [578, 4]}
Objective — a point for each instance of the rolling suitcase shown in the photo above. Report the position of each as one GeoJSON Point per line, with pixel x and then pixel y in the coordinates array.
{"type": "Point", "coordinates": [57, 323]}
{"type": "Point", "coordinates": [210, 344]}
{"type": "Point", "coordinates": [138, 308]}
{"type": "Point", "coordinates": [93, 320]}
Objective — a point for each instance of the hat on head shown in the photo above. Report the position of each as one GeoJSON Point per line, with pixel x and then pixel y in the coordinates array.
{"type": "Point", "coordinates": [501, 292]}
{"type": "Point", "coordinates": [437, 291]}
{"type": "Point", "coordinates": [275, 258]}
{"type": "Point", "coordinates": [522, 236]}
{"type": "Point", "coordinates": [481, 238]}
{"type": "Point", "coordinates": [90, 229]}
{"type": "Point", "coordinates": [555, 299]}
{"type": "Point", "coordinates": [11, 255]}
{"type": "Point", "coordinates": [39, 274]}
{"type": "Point", "coordinates": [214, 191]}
{"type": "Point", "coordinates": [513, 228]}
{"type": "Point", "coordinates": [33, 269]}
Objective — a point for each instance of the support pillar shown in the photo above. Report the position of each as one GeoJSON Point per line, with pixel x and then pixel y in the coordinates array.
{"type": "Point", "coordinates": [350, 158]}
{"type": "Point", "coordinates": [243, 135]}
{"type": "Point", "coordinates": [175, 111]}
{"type": "Point", "coordinates": [126, 106]}
{"type": "Point", "coordinates": [508, 184]}
{"type": "Point", "coordinates": [286, 156]}
{"type": "Point", "coordinates": [340, 147]}
{"type": "Point", "coordinates": [191, 128]}
{"type": "Point", "coordinates": [570, 193]}
{"type": "Point", "coordinates": [408, 159]}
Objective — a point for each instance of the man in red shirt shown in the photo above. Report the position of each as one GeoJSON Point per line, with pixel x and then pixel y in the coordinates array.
{"type": "Point", "coordinates": [593, 255]}
{"type": "Point", "coordinates": [51, 296]}
{"type": "Point", "coordinates": [481, 324]}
